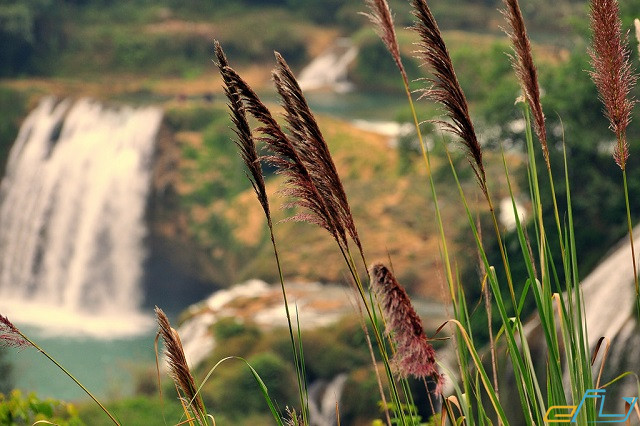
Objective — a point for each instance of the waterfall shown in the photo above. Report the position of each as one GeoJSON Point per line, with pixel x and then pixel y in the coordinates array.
{"type": "Point", "coordinates": [323, 397]}
{"type": "Point", "coordinates": [72, 205]}
{"type": "Point", "coordinates": [329, 70]}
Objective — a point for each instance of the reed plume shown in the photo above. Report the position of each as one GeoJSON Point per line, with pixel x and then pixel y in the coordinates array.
{"type": "Point", "coordinates": [313, 151]}
{"type": "Point", "coordinates": [445, 88]}
{"type": "Point", "coordinates": [614, 78]}
{"type": "Point", "coordinates": [248, 152]}
{"type": "Point", "coordinates": [382, 19]}
{"type": "Point", "coordinates": [636, 25]}
{"type": "Point", "coordinates": [525, 69]}
{"type": "Point", "coordinates": [414, 354]}
{"type": "Point", "coordinates": [612, 72]}
{"type": "Point", "coordinates": [299, 184]}
{"type": "Point", "coordinates": [178, 368]}
{"type": "Point", "coordinates": [10, 335]}
{"type": "Point", "coordinates": [245, 141]}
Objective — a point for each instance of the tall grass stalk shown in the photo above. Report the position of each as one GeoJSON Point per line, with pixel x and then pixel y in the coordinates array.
{"type": "Point", "coordinates": [312, 180]}
{"type": "Point", "coordinates": [180, 372]}
{"type": "Point", "coordinates": [247, 147]}
{"type": "Point", "coordinates": [614, 77]}
{"type": "Point", "coordinates": [11, 335]}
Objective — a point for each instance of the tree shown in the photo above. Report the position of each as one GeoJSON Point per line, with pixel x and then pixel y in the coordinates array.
{"type": "Point", "coordinates": [30, 34]}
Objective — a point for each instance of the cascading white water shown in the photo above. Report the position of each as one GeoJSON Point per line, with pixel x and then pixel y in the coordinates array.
{"type": "Point", "coordinates": [72, 206]}
{"type": "Point", "coordinates": [323, 397]}
{"type": "Point", "coordinates": [329, 70]}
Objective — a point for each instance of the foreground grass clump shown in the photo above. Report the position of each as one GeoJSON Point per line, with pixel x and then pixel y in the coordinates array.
{"type": "Point", "coordinates": [299, 152]}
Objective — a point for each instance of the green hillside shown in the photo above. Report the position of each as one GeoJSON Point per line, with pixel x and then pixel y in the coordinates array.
{"type": "Point", "coordinates": [160, 52]}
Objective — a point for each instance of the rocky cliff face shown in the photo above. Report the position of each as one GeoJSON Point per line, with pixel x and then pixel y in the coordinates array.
{"type": "Point", "coordinates": [178, 271]}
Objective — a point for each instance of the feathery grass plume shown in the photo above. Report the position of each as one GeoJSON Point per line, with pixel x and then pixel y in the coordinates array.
{"type": "Point", "coordinates": [292, 418]}
{"type": "Point", "coordinates": [248, 152]}
{"type": "Point", "coordinates": [636, 24]}
{"type": "Point", "coordinates": [178, 368]}
{"type": "Point", "coordinates": [525, 69]}
{"type": "Point", "coordinates": [380, 16]}
{"type": "Point", "coordinates": [312, 149]}
{"type": "Point", "coordinates": [445, 88]}
{"type": "Point", "coordinates": [614, 78]}
{"type": "Point", "coordinates": [245, 142]}
{"type": "Point", "coordinates": [10, 336]}
{"type": "Point", "coordinates": [414, 354]}
{"type": "Point", "coordinates": [299, 184]}
{"type": "Point", "coordinates": [612, 72]}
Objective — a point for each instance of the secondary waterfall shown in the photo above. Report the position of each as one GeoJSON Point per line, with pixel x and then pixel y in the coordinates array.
{"type": "Point", "coordinates": [329, 70]}
{"type": "Point", "coordinates": [323, 398]}
{"type": "Point", "coordinates": [72, 207]}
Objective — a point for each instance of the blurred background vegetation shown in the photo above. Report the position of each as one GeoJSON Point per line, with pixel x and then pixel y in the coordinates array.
{"type": "Point", "coordinates": [161, 51]}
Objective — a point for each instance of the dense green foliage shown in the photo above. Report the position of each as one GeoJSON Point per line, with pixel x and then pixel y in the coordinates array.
{"type": "Point", "coordinates": [375, 70]}
{"type": "Point", "coordinates": [232, 393]}
{"type": "Point", "coordinates": [19, 409]}
{"type": "Point", "coordinates": [87, 37]}
{"type": "Point", "coordinates": [30, 35]}
{"type": "Point", "coordinates": [13, 107]}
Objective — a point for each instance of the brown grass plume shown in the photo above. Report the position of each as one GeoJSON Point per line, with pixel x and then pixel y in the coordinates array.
{"type": "Point", "coordinates": [525, 69]}
{"type": "Point", "coordinates": [178, 368]}
{"type": "Point", "coordinates": [445, 88]}
{"type": "Point", "coordinates": [313, 151]}
{"type": "Point", "coordinates": [245, 141]}
{"type": "Point", "coordinates": [10, 335]}
{"type": "Point", "coordinates": [299, 184]}
{"type": "Point", "coordinates": [414, 354]}
{"type": "Point", "coordinates": [381, 17]}
{"type": "Point", "coordinates": [612, 72]}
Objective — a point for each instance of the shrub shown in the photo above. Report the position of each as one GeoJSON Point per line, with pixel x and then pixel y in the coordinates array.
{"type": "Point", "coordinates": [18, 409]}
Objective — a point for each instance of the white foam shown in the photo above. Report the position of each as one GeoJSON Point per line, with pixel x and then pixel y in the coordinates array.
{"type": "Point", "coordinates": [329, 70]}
{"type": "Point", "coordinates": [60, 321]}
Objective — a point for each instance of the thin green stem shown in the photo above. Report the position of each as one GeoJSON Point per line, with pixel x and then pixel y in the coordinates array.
{"type": "Point", "coordinates": [427, 162]}
{"type": "Point", "coordinates": [633, 251]}
{"type": "Point", "coordinates": [503, 254]}
{"type": "Point", "coordinates": [65, 371]}
{"type": "Point", "coordinates": [296, 355]}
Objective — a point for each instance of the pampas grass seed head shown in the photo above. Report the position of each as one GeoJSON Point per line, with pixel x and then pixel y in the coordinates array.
{"type": "Point", "coordinates": [522, 61]}
{"type": "Point", "coordinates": [381, 17]}
{"type": "Point", "coordinates": [414, 354]}
{"type": "Point", "coordinates": [245, 141]}
{"type": "Point", "coordinates": [10, 335]}
{"type": "Point", "coordinates": [445, 88]}
{"type": "Point", "coordinates": [612, 72]}
{"type": "Point", "coordinates": [178, 367]}
{"type": "Point", "coordinates": [313, 151]}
